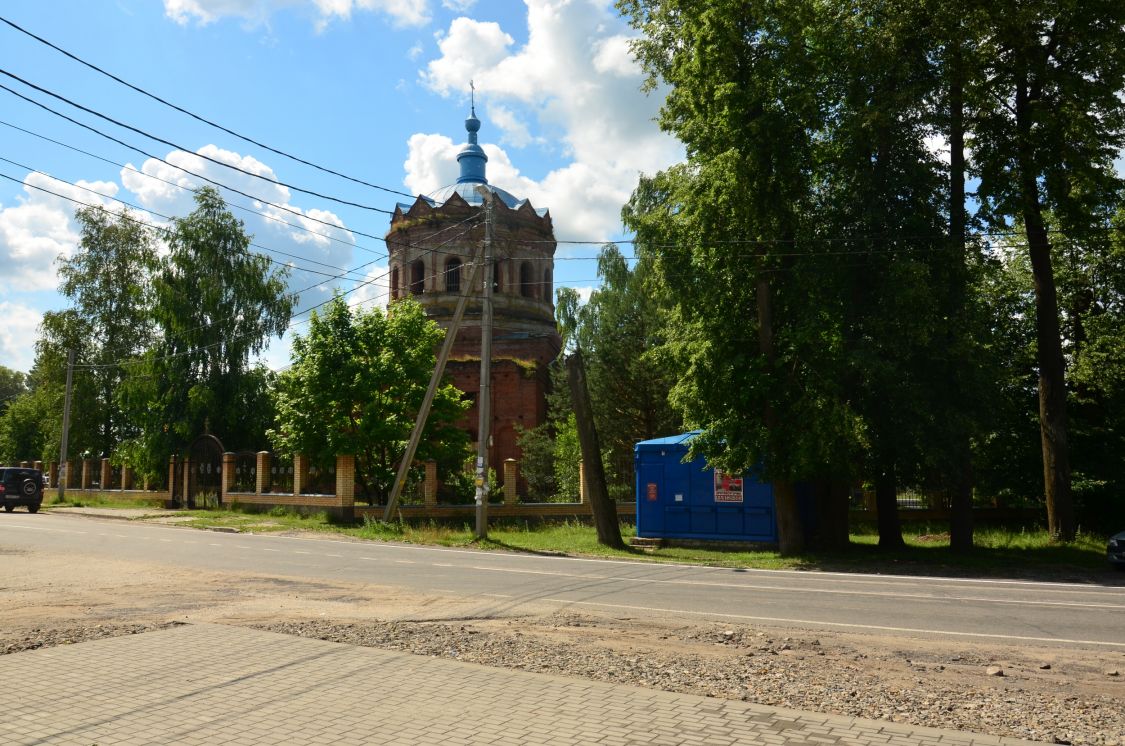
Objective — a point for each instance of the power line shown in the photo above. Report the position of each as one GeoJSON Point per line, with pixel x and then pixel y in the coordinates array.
{"type": "Point", "coordinates": [198, 117]}
{"type": "Point", "coordinates": [512, 256]}
{"type": "Point", "coordinates": [137, 171]}
{"type": "Point", "coordinates": [158, 228]}
{"type": "Point", "coordinates": [167, 231]}
{"type": "Point", "coordinates": [145, 153]}
{"type": "Point", "coordinates": [756, 241]}
{"type": "Point", "coordinates": [227, 202]}
{"type": "Point", "coordinates": [290, 325]}
{"type": "Point", "coordinates": [171, 144]}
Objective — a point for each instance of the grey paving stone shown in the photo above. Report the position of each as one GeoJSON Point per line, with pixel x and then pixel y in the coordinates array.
{"type": "Point", "coordinates": [212, 684]}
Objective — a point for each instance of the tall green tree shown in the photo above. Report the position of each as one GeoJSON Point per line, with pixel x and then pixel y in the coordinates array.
{"type": "Point", "coordinates": [1091, 283]}
{"type": "Point", "coordinates": [12, 384]}
{"type": "Point", "coordinates": [23, 436]}
{"type": "Point", "coordinates": [621, 330]}
{"type": "Point", "coordinates": [215, 305]}
{"type": "Point", "coordinates": [59, 332]}
{"type": "Point", "coordinates": [881, 195]}
{"type": "Point", "coordinates": [109, 282]}
{"type": "Point", "coordinates": [721, 227]}
{"type": "Point", "coordinates": [1047, 123]}
{"type": "Point", "coordinates": [355, 386]}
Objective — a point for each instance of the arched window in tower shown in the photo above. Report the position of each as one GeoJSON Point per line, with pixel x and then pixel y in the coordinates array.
{"type": "Point", "coordinates": [453, 275]}
{"type": "Point", "coordinates": [527, 284]}
{"type": "Point", "coordinates": [548, 292]}
{"type": "Point", "coordinates": [394, 283]}
{"type": "Point", "coordinates": [498, 276]}
{"type": "Point", "coordinates": [417, 277]}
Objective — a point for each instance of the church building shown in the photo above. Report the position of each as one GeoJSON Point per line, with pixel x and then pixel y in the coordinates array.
{"type": "Point", "coordinates": [431, 244]}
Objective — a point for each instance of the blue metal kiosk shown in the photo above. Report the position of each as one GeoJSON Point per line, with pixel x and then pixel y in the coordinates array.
{"type": "Point", "coordinates": [677, 500]}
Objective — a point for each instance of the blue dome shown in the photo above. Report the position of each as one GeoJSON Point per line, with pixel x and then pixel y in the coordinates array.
{"type": "Point", "coordinates": [472, 160]}
{"type": "Point", "coordinates": [472, 157]}
{"type": "Point", "coordinates": [468, 192]}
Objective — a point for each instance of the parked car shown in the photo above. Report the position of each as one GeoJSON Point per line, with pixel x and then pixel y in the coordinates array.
{"type": "Point", "coordinates": [21, 486]}
{"type": "Point", "coordinates": [1115, 550]}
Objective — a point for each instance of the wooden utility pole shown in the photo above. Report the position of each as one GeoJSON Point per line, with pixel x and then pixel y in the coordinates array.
{"type": "Point", "coordinates": [62, 475]}
{"type": "Point", "coordinates": [604, 509]}
{"type": "Point", "coordinates": [484, 399]}
{"type": "Point", "coordinates": [435, 381]}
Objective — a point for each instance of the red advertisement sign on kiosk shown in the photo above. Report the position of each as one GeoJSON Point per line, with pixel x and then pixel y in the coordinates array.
{"type": "Point", "coordinates": [728, 488]}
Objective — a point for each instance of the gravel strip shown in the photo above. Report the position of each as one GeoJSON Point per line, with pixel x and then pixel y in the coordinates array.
{"type": "Point", "coordinates": [48, 637]}
{"type": "Point", "coordinates": [782, 672]}
{"type": "Point", "coordinates": [741, 663]}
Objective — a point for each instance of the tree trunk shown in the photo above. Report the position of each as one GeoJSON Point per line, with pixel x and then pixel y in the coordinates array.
{"type": "Point", "coordinates": [604, 510]}
{"type": "Point", "coordinates": [886, 506]}
{"type": "Point", "coordinates": [832, 514]}
{"type": "Point", "coordinates": [790, 534]}
{"type": "Point", "coordinates": [1052, 368]}
{"type": "Point", "coordinates": [961, 506]}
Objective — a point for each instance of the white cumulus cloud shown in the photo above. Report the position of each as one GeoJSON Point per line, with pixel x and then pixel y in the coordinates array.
{"type": "Point", "coordinates": [470, 47]}
{"type": "Point", "coordinates": [17, 334]}
{"type": "Point", "coordinates": [373, 291]}
{"type": "Point", "coordinates": [431, 163]}
{"type": "Point", "coordinates": [573, 86]}
{"type": "Point", "coordinates": [515, 129]}
{"type": "Point", "coordinates": [35, 232]}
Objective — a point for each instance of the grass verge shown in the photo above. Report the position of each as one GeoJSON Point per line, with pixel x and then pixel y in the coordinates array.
{"type": "Point", "coordinates": [998, 552]}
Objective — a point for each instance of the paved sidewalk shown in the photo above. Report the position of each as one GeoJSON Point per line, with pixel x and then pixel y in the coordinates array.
{"type": "Point", "coordinates": [212, 684]}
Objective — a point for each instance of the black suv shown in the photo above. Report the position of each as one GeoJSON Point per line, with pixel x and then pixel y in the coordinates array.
{"type": "Point", "coordinates": [21, 486]}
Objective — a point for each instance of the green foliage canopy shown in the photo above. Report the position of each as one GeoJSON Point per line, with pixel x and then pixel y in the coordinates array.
{"type": "Point", "coordinates": [355, 386]}
{"type": "Point", "coordinates": [215, 304]}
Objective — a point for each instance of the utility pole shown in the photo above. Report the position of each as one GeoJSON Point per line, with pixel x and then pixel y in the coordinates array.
{"type": "Point", "coordinates": [484, 398]}
{"type": "Point", "coordinates": [63, 476]}
{"type": "Point", "coordinates": [435, 381]}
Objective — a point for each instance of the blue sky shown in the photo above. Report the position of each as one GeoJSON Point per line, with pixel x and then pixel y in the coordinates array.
{"type": "Point", "coordinates": [374, 89]}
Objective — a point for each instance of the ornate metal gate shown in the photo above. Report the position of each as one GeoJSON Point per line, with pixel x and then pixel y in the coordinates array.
{"type": "Point", "coordinates": [203, 464]}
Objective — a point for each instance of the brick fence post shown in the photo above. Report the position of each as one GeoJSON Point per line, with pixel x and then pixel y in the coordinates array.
{"type": "Point", "coordinates": [262, 472]}
{"type": "Point", "coordinates": [126, 477]}
{"type": "Point", "coordinates": [300, 472]}
{"type": "Point", "coordinates": [226, 477]}
{"type": "Point", "coordinates": [172, 477]}
{"type": "Point", "coordinates": [429, 485]}
{"type": "Point", "coordinates": [104, 477]}
{"type": "Point", "coordinates": [511, 481]}
{"type": "Point", "coordinates": [87, 467]}
{"type": "Point", "coordinates": [37, 465]}
{"type": "Point", "coordinates": [345, 486]}
{"type": "Point", "coordinates": [53, 474]}
{"type": "Point", "coordinates": [582, 488]}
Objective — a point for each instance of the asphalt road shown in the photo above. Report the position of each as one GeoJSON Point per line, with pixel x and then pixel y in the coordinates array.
{"type": "Point", "coordinates": [1052, 614]}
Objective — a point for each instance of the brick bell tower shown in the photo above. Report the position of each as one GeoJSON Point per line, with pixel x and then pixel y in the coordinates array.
{"type": "Point", "coordinates": [431, 244]}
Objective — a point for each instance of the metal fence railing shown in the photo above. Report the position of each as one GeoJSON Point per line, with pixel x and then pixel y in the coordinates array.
{"type": "Point", "coordinates": [320, 480]}
{"type": "Point", "coordinates": [281, 474]}
{"type": "Point", "coordinates": [245, 472]}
